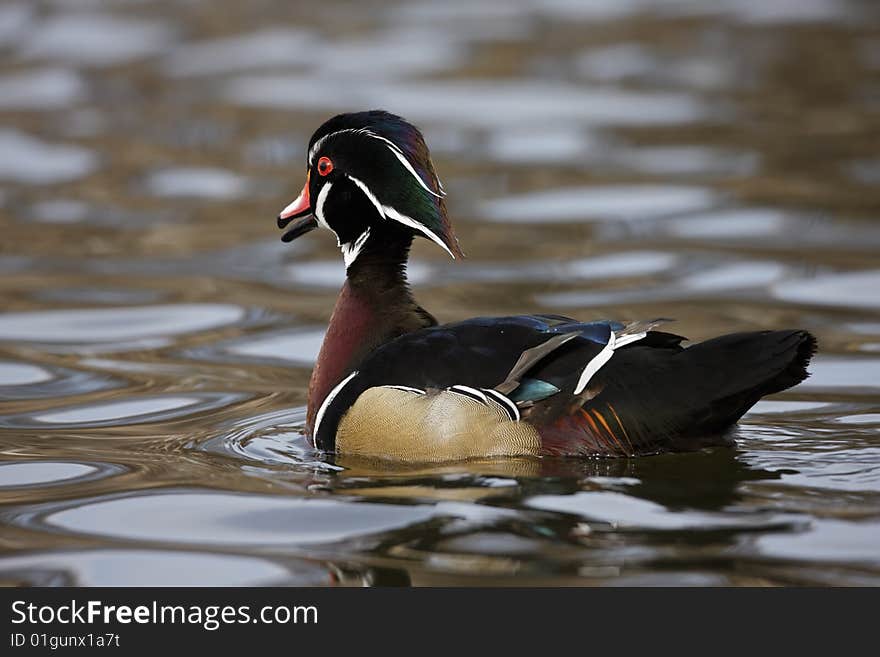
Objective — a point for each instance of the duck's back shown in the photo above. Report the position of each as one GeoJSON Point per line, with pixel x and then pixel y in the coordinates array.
{"type": "Point", "coordinates": [549, 385]}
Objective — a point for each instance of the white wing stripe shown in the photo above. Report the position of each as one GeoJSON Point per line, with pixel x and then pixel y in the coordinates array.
{"type": "Point", "coordinates": [622, 341]}
{"type": "Point", "coordinates": [614, 342]}
{"type": "Point", "coordinates": [597, 362]}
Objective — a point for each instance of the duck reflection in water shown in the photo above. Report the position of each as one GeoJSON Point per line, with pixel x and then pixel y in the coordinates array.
{"type": "Point", "coordinates": [706, 480]}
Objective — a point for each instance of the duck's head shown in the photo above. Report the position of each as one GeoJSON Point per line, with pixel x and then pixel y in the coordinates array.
{"type": "Point", "coordinates": [369, 178]}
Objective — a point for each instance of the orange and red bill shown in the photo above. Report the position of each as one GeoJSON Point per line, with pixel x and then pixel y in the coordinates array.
{"type": "Point", "coordinates": [299, 214]}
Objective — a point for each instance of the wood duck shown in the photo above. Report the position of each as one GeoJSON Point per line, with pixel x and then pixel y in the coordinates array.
{"type": "Point", "coordinates": [390, 382]}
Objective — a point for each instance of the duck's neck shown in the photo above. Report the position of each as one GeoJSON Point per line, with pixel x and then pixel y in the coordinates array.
{"type": "Point", "coordinates": [374, 306]}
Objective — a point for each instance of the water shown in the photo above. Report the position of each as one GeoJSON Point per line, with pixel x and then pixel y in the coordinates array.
{"type": "Point", "coordinates": [713, 162]}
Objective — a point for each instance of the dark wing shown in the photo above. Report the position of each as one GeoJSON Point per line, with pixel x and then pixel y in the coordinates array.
{"type": "Point", "coordinates": [648, 399]}
{"type": "Point", "coordinates": [481, 353]}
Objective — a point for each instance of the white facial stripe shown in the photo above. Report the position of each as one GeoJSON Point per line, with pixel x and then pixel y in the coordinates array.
{"type": "Point", "coordinates": [409, 167]}
{"type": "Point", "coordinates": [352, 250]}
{"type": "Point", "coordinates": [406, 163]}
{"type": "Point", "coordinates": [317, 147]}
{"type": "Point", "coordinates": [394, 148]}
{"type": "Point", "coordinates": [366, 190]}
{"type": "Point", "coordinates": [387, 212]}
{"type": "Point", "coordinates": [391, 213]}
{"type": "Point", "coordinates": [319, 205]}
{"type": "Point", "coordinates": [329, 400]}
{"type": "Point", "coordinates": [313, 151]}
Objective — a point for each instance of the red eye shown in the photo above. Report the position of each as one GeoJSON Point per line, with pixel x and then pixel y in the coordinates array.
{"type": "Point", "coordinates": [325, 166]}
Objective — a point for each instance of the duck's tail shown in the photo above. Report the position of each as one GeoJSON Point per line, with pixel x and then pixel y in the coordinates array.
{"type": "Point", "coordinates": [656, 400]}
{"type": "Point", "coordinates": [734, 371]}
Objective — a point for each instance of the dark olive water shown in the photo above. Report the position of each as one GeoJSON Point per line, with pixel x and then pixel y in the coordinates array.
{"type": "Point", "coordinates": [714, 162]}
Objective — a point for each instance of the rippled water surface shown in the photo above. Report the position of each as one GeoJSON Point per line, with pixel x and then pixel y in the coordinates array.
{"type": "Point", "coordinates": [716, 162]}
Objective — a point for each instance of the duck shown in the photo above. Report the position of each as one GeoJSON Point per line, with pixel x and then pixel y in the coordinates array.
{"type": "Point", "coordinates": [391, 382]}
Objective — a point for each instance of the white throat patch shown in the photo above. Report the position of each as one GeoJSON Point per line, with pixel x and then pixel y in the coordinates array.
{"type": "Point", "coordinates": [351, 250]}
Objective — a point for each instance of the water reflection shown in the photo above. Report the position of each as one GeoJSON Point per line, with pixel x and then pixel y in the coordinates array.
{"type": "Point", "coordinates": [297, 347]}
{"type": "Point", "coordinates": [159, 568]}
{"type": "Point", "coordinates": [626, 513]}
{"type": "Point", "coordinates": [29, 473]}
{"type": "Point", "coordinates": [28, 381]}
{"type": "Point", "coordinates": [706, 480]}
{"type": "Point", "coordinates": [94, 39]}
{"type": "Point", "coordinates": [199, 183]}
{"type": "Point", "coordinates": [18, 374]}
{"type": "Point", "coordinates": [136, 410]}
{"type": "Point", "coordinates": [829, 540]}
{"type": "Point", "coordinates": [613, 203]}
{"type": "Point", "coordinates": [268, 48]}
{"type": "Point", "coordinates": [40, 89]}
{"type": "Point", "coordinates": [102, 325]}
{"type": "Point", "coordinates": [26, 159]}
{"type": "Point", "coordinates": [211, 518]}
{"type": "Point", "coordinates": [854, 375]}
{"type": "Point", "coordinates": [745, 223]}
{"type": "Point", "coordinates": [854, 289]}
{"type": "Point", "coordinates": [471, 104]}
